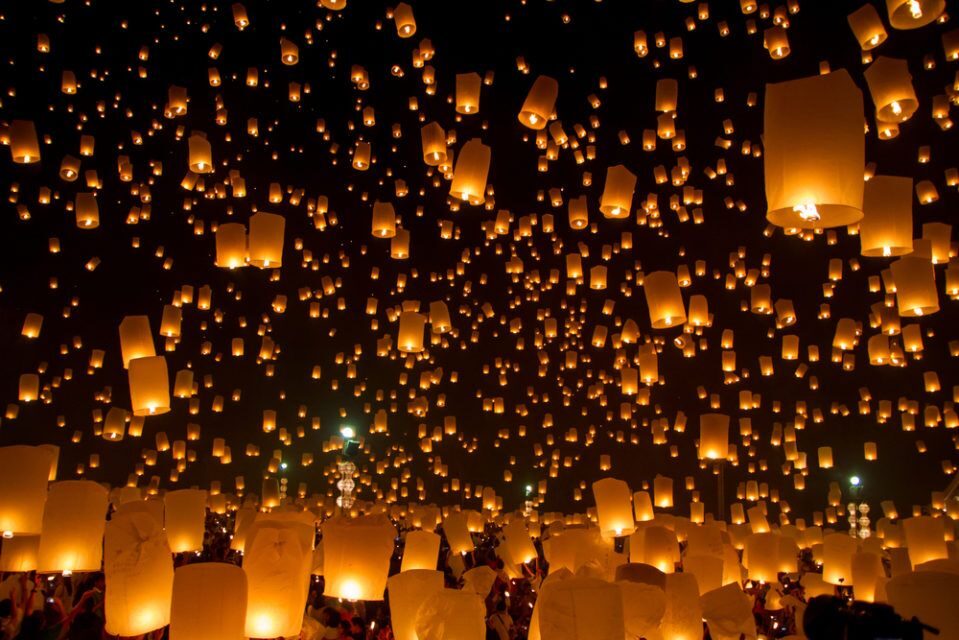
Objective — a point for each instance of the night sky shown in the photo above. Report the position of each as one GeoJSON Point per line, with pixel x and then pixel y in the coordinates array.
{"type": "Point", "coordinates": [127, 55]}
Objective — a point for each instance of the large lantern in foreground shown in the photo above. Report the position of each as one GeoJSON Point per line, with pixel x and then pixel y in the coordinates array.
{"type": "Point", "coordinates": [408, 590]}
{"type": "Point", "coordinates": [614, 507]}
{"type": "Point", "coordinates": [814, 152]}
{"type": "Point", "coordinates": [209, 602]}
{"type": "Point", "coordinates": [356, 558]}
{"type": "Point", "coordinates": [73, 524]}
{"type": "Point", "coordinates": [23, 489]}
{"type": "Point", "coordinates": [277, 561]}
{"type": "Point", "coordinates": [185, 519]}
{"type": "Point", "coordinates": [139, 574]}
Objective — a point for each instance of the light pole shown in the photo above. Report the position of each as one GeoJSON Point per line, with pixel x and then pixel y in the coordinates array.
{"type": "Point", "coordinates": [346, 469]}
{"type": "Point", "coordinates": [858, 514]}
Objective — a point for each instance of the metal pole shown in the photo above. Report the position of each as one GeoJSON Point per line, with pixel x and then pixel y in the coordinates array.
{"type": "Point", "coordinates": [721, 510]}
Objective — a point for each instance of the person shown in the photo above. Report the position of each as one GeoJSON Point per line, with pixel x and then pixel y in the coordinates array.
{"type": "Point", "coordinates": [330, 623]}
{"type": "Point", "coordinates": [8, 619]}
{"type": "Point", "coordinates": [500, 622]}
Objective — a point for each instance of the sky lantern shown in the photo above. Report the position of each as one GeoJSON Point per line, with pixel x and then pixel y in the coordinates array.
{"type": "Point", "coordinates": [915, 279]}
{"type": "Point", "coordinates": [470, 173]}
{"type": "Point", "coordinates": [201, 153]}
{"type": "Point", "coordinates": [867, 26]}
{"type": "Point", "coordinates": [539, 103]}
{"type": "Point", "coordinates": [614, 507]}
{"type": "Point", "coordinates": [886, 227]}
{"type": "Point", "coordinates": [403, 17]}
{"type": "Point", "coordinates": [208, 602]}
{"type": "Point", "coordinates": [665, 302]}
{"type": "Point", "coordinates": [24, 146]}
{"type": "Point", "coordinates": [468, 92]}
{"type": "Point", "coordinates": [266, 240]}
{"type": "Point", "coordinates": [891, 87]}
{"type": "Point", "coordinates": [913, 14]}
{"type": "Point", "coordinates": [815, 151]}
{"type": "Point", "coordinates": [420, 550]}
{"type": "Point", "coordinates": [73, 524]}
{"type": "Point", "coordinates": [136, 339]}
{"type": "Point", "coordinates": [277, 562]}
{"type": "Point", "coordinates": [713, 436]}
{"type": "Point", "coordinates": [356, 556]}
{"type": "Point", "coordinates": [149, 386]}
{"type": "Point", "coordinates": [184, 519]}
{"type": "Point", "coordinates": [23, 489]}
{"type": "Point", "coordinates": [618, 195]}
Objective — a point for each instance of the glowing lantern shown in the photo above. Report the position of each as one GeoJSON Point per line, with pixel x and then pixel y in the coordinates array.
{"type": "Point", "coordinates": [384, 220]}
{"type": "Point", "coordinates": [24, 147]}
{"type": "Point", "coordinates": [776, 42]}
{"type": "Point", "coordinates": [613, 507]}
{"type": "Point", "coordinates": [664, 299]}
{"type": "Point", "coordinates": [201, 153]}
{"type": "Point", "coordinates": [683, 619]}
{"type": "Point", "coordinates": [642, 506]}
{"type": "Point", "coordinates": [266, 240]}
{"type": "Point", "coordinates": [886, 227]}
{"type": "Point", "coordinates": [761, 556]}
{"type": "Point", "coordinates": [713, 436]}
{"type": "Point", "coordinates": [23, 489]}
{"type": "Point", "coordinates": [837, 552]}
{"type": "Point", "coordinates": [617, 197]}
{"type": "Point", "coordinates": [467, 92]}
{"type": "Point", "coordinates": [208, 602]}
{"type": "Point", "coordinates": [925, 539]}
{"type": "Point", "coordinates": [433, 139]}
{"type": "Point", "coordinates": [451, 613]}
{"type": "Point", "coordinates": [915, 280]}
{"type": "Point", "coordinates": [73, 524]}
{"type": "Point", "coordinates": [87, 211]}
{"type": "Point", "coordinates": [579, 607]}
{"type": "Point", "coordinates": [277, 561]}
{"type": "Point", "coordinates": [149, 386]}
{"type": "Point", "coordinates": [539, 103]}
{"type": "Point", "coordinates": [408, 591]}
{"type": "Point", "coordinates": [231, 251]}
{"type": "Point", "coordinates": [403, 16]}
{"type": "Point", "coordinates": [356, 556]}
{"type": "Point", "coordinates": [139, 574]}
{"type": "Point", "coordinates": [578, 213]}
{"type": "Point", "coordinates": [867, 26]}
{"type": "Point", "coordinates": [815, 152]}
{"type": "Point", "coordinates": [136, 339]}
{"type": "Point", "coordinates": [518, 543]}
{"type": "Point", "coordinates": [289, 52]}
{"type": "Point", "coordinates": [412, 327]}
{"type": "Point", "coordinates": [457, 532]}
{"type": "Point", "coordinates": [663, 492]}
{"type": "Point", "coordinates": [185, 519]}
{"type": "Point", "coordinates": [470, 173]}
{"type": "Point", "coordinates": [421, 550]}
{"type": "Point", "coordinates": [912, 14]}
{"type": "Point", "coordinates": [891, 87]}
{"type": "Point", "coordinates": [29, 387]}
{"type": "Point", "coordinates": [19, 554]}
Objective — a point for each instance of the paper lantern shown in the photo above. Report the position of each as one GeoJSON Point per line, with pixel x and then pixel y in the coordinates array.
{"type": "Point", "coordinates": [450, 613]}
{"type": "Point", "coordinates": [912, 14]}
{"type": "Point", "coordinates": [440, 317]}
{"type": "Point", "coordinates": [617, 200]}
{"type": "Point", "coordinates": [713, 436]}
{"type": "Point", "coordinates": [28, 388]}
{"type": "Point", "coordinates": [407, 592]}
{"type": "Point", "coordinates": [266, 240]}
{"type": "Point", "coordinates": [24, 146]}
{"type": "Point", "coordinates": [468, 92]}
{"type": "Point", "coordinates": [578, 213]}
{"type": "Point", "coordinates": [277, 561]}
{"type": "Point", "coordinates": [577, 608]}
{"type": "Point", "coordinates": [683, 618]}
{"type": "Point", "coordinates": [433, 139]}
{"type": "Point", "coordinates": [613, 507]}
{"type": "Point", "coordinates": [185, 519]}
{"type": "Point", "coordinates": [539, 103]}
{"type": "Point", "coordinates": [664, 299]}
{"type": "Point", "coordinates": [405, 24]}
{"type": "Point", "coordinates": [149, 386]}
{"type": "Point", "coordinates": [663, 492]}
{"type": "Point", "coordinates": [761, 556]}
{"type": "Point", "coordinates": [837, 552]}
{"type": "Point", "coordinates": [886, 227]}
{"type": "Point", "coordinates": [776, 42]}
{"type": "Point", "coordinates": [660, 548]}
{"type": "Point", "coordinates": [73, 525]}
{"type": "Point", "coordinates": [929, 596]}
{"type": "Point", "coordinates": [384, 220]}
{"type": "Point", "coordinates": [867, 574]}
{"type": "Point", "coordinates": [87, 211]}
{"type": "Point", "coordinates": [891, 87]}
{"type": "Point", "coordinates": [231, 250]}
{"type": "Point", "coordinates": [867, 26]}
{"type": "Point", "coordinates": [19, 554]}
{"type": "Point", "coordinates": [518, 543]}
{"type": "Point", "coordinates": [357, 556]}
{"type": "Point", "coordinates": [667, 95]}
{"type": "Point", "coordinates": [412, 327]}
{"type": "Point", "coordinates": [138, 567]}
{"type": "Point", "coordinates": [24, 472]}
{"type": "Point", "coordinates": [925, 538]}
{"type": "Point", "coordinates": [201, 153]}
{"type": "Point", "coordinates": [642, 506]}
{"type": "Point", "coordinates": [208, 602]}
{"type": "Point", "coordinates": [915, 280]}
{"type": "Point", "coordinates": [456, 530]}
{"type": "Point", "coordinates": [421, 550]}
{"type": "Point", "coordinates": [136, 339]}
{"type": "Point", "coordinates": [814, 152]}
{"type": "Point", "coordinates": [470, 173]}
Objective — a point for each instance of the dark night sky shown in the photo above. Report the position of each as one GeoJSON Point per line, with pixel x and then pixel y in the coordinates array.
{"type": "Point", "coordinates": [596, 42]}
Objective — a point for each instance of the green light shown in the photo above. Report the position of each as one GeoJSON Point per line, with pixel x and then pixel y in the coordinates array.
{"type": "Point", "coordinates": [854, 481]}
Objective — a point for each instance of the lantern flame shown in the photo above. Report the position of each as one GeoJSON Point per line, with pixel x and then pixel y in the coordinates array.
{"type": "Point", "coordinates": [807, 211]}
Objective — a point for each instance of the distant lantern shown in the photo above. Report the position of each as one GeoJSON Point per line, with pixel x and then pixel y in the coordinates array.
{"type": "Point", "coordinates": [289, 52]}
{"type": "Point", "coordinates": [73, 525]}
{"type": "Point", "coordinates": [420, 551]}
{"type": "Point", "coordinates": [663, 492]}
{"type": "Point", "coordinates": [149, 386]}
{"type": "Point", "coordinates": [362, 156]}
{"type": "Point", "coordinates": [209, 602]}
{"type": "Point", "coordinates": [266, 240]}
{"type": "Point", "coordinates": [667, 95]}
{"type": "Point", "coordinates": [384, 220]}
{"type": "Point", "coordinates": [713, 436]}
{"type": "Point", "coordinates": [138, 567]}
{"type": "Point", "coordinates": [867, 26]}
{"type": "Point", "coordinates": [614, 509]}
{"type": "Point", "coordinates": [915, 279]}
{"type": "Point", "coordinates": [405, 23]}
{"type": "Point", "coordinates": [776, 42]}
{"type": "Point", "coordinates": [240, 17]}
{"type": "Point", "coordinates": [468, 92]}
{"type": "Point", "coordinates": [277, 561]}
{"type": "Point", "coordinates": [471, 172]}
{"type": "Point", "coordinates": [24, 147]}
{"type": "Point", "coordinates": [87, 211]}
{"type": "Point", "coordinates": [201, 153]}
{"type": "Point", "coordinates": [185, 519]}
{"type": "Point", "coordinates": [891, 87]}
{"type": "Point", "coordinates": [24, 472]}
{"type": "Point", "coordinates": [814, 152]}
{"type": "Point", "coordinates": [356, 556]}
{"type": "Point", "coordinates": [412, 326]}
{"type": "Point", "coordinates": [231, 251]}
{"type": "Point", "coordinates": [433, 139]}
{"type": "Point", "coordinates": [617, 200]}
{"type": "Point", "coordinates": [440, 317]}
{"type": "Point", "coordinates": [912, 14]}
{"type": "Point", "coordinates": [578, 213]}
{"type": "Point", "coordinates": [539, 103]}
{"type": "Point", "coordinates": [886, 227]}
{"type": "Point", "coordinates": [663, 297]}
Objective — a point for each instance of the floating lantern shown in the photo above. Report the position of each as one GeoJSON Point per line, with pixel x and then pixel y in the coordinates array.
{"type": "Point", "coordinates": [73, 523]}
{"type": "Point", "coordinates": [266, 240]}
{"type": "Point", "coordinates": [357, 556]}
{"type": "Point", "coordinates": [24, 472]}
{"type": "Point", "coordinates": [613, 507]}
{"type": "Point", "coordinates": [149, 386]}
{"type": "Point", "coordinates": [185, 519]}
{"type": "Point", "coordinates": [539, 103]}
{"type": "Point", "coordinates": [886, 227]}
